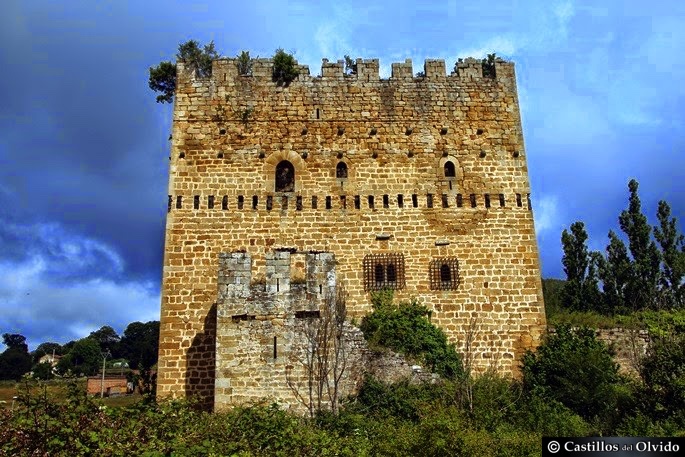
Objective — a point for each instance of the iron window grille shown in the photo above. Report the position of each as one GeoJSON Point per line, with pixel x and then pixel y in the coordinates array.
{"type": "Point", "coordinates": [444, 273]}
{"type": "Point", "coordinates": [383, 271]}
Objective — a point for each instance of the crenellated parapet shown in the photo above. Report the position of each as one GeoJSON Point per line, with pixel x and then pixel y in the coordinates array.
{"type": "Point", "coordinates": [367, 70]}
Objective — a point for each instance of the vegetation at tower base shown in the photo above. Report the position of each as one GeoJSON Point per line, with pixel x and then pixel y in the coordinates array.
{"type": "Point", "coordinates": [406, 328]}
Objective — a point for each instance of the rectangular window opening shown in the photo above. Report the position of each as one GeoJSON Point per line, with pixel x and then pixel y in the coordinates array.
{"type": "Point", "coordinates": [371, 201]}
{"type": "Point", "coordinates": [472, 197]}
{"type": "Point", "coordinates": [386, 201]}
{"type": "Point", "coordinates": [460, 201]}
{"type": "Point", "coordinates": [314, 202]}
{"type": "Point", "coordinates": [343, 202]}
{"type": "Point", "coordinates": [444, 201]}
{"type": "Point", "coordinates": [518, 200]}
{"type": "Point", "coordinates": [501, 200]}
{"type": "Point", "coordinates": [284, 202]}
{"type": "Point", "coordinates": [415, 200]}
{"type": "Point", "coordinates": [210, 202]}
{"type": "Point", "coordinates": [275, 348]}
{"type": "Point", "coordinates": [307, 314]}
{"type": "Point", "coordinates": [487, 200]}
{"type": "Point", "coordinates": [269, 202]}
{"type": "Point", "coordinates": [328, 202]}
{"type": "Point", "coordinates": [196, 202]}
{"type": "Point", "coordinates": [298, 203]}
{"type": "Point", "coordinates": [179, 201]}
{"type": "Point", "coordinates": [224, 202]}
{"type": "Point", "coordinates": [255, 201]}
{"type": "Point", "coordinates": [429, 200]}
{"type": "Point", "coordinates": [168, 206]}
{"type": "Point", "coordinates": [357, 202]}
{"type": "Point", "coordinates": [400, 201]}
{"type": "Point", "coordinates": [241, 200]}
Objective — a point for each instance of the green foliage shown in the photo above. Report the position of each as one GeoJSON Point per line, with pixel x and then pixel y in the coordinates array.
{"type": "Point", "coordinates": [672, 246]}
{"type": "Point", "coordinates": [644, 278]}
{"type": "Point", "coordinates": [406, 328]}
{"type": "Point", "coordinates": [15, 361]}
{"type": "Point", "coordinates": [350, 66]}
{"type": "Point", "coordinates": [615, 273]}
{"type": "Point", "coordinates": [489, 66]}
{"type": "Point", "coordinates": [663, 372]}
{"type": "Point", "coordinates": [244, 63]}
{"type": "Point", "coordinates": [139, 344]}
{"type": "Point", "coordinates": [47, 348]}
{"type": "Point", "coordinates": [551, 291]}
{"type": "Point", "coordinates": [43, 371]}
{"type": "Point", "coordinates": [285, 67]}
{"type": "Point", "coordinates": [196, 58]}
{"type": "Point", "coordinates": [580, 290]}
{"type": "Point", "coordinates": [575, 368]}
{"type": "Point", "coordinates": [84, 359]}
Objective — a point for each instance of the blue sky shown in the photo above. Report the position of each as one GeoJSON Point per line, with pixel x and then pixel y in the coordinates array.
{"type": "Point", "coordinates": [83, 145]}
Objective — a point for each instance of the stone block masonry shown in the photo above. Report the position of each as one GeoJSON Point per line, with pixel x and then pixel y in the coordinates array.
{"type": "Point", "coordinates": [416, 184]}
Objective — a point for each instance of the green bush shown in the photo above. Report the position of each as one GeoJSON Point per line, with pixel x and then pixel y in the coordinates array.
{"type": "Point", "coordinates": [663, 373]}
{"type": "Point", "coordinates": [406, 328]}
{"type": "Point", "coordinates": [575, 368]}
{"type": "Point", "coordinates": [285, 67]}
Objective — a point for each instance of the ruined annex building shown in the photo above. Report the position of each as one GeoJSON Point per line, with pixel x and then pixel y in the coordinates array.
{"type": "Point", "coordinates": [278, 193]}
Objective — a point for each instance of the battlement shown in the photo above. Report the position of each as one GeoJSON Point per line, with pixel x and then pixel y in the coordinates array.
{"type": "Point", "coordinates": [242, 297]}
{"type": "Point", "coordinates": [367, 70]}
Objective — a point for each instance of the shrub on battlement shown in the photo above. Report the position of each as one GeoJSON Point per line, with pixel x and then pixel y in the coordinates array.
{"type": "Point", "coordinates": [285, 67]}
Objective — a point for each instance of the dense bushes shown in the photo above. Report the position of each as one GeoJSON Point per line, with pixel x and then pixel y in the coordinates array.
{"type": "Point", "coordinates": [406, 328]}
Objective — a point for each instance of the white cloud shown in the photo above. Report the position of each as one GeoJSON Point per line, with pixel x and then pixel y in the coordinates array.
{"type": "Point", "coordinates": [546, 214]}
{"type": "Point", "coordinates": [34, 304]}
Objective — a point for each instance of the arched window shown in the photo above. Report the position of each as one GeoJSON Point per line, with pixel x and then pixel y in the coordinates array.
{"type": "Point", "coordinates": [450, 172]}
{"type": "Point", "coordinates": [392, 273]}
{"type": "Point", "coordinates": [285, 177]}
{"type": "Point", "coordinates": [379, 275]}
{"type": "Point", "coordinates": [341, 170]}
{"type": "Point", "coordinates": [445, 273]}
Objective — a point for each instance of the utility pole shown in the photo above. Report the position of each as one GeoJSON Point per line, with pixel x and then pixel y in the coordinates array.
{"type": "Point", "coordinates": [102, 383]}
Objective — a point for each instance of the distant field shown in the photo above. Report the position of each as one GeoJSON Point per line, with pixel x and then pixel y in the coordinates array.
{"type": "Point", "coordinates": [56, 389]}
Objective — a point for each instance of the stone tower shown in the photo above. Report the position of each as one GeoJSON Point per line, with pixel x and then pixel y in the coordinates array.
{"type": "Point", "coordinates": [418, 184]}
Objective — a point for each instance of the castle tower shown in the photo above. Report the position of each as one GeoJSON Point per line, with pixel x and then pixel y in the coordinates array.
{"type": "Point", "coordinates": [418, 184]}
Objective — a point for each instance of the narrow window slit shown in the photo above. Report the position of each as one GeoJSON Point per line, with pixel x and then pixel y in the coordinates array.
{"type": "Point", "coordinates": [224, 202]}
{"type": "Point", "coordinates": [269, 202]}
{"type": "Point", "coordinates": [414, 200]}
{"type": "Point", "coordinates": [179, 201]}
{"type": "Point", "coordinates": [255, 201]}
{"type": "Point", "coordinates": [386, 201]}
{"type": "Point", "coordinates": [429, 200]}
{"type": "Point", "coordinates": [314, 202]}
{"type": "Point", "coordinates": [472, 197]}
{"type": "Point", "coordinates": [400, 201]}
{"type": "Point", "coordinates": [210, 201]}
{"type": "Point", "coordinates": [518, 200]}
{"type": "Point", "coordinates": [196, 202]}
{"type": "Point", "coordinates": [168, 206]}
{"type": "Point", "coordinates": [371, 201]}
{"type": "Point", "coordinates": [487, 200]}
{"type": "Point", "coordinates": [357, 202]}
{"type": "Point", "coordinates": [444, 201]}
{"type": "Point", "coordinates": [328, 202]}
{"type": "Point", "coordinates": [241, 200]}
{"type": "Point", "coordinates": [275, 348]}
{"type": "Point", "coordinates": [460, 201]}
{"type": "Point", "coordinates": [501, 200]}
{"type": "Point", "coordinates": [298, 203]}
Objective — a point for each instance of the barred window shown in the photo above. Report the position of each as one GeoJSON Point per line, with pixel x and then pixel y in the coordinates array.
{"type": "Point", "coordinates": [341, 170]}
{"type": "Point", "coordinates": [444, 273]}
{"type": "Point", "coordinates": [383, 271]}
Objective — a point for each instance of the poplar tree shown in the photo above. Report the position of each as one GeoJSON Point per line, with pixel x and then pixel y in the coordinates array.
{"type": "Point", "coordinates": [580, 290]}
{"type": "Point", "coordinates": [644, 279]}
{"type": "Point", "coordinates": [615, 272]}
{"type": "Point", "coordinates": [672, 246]}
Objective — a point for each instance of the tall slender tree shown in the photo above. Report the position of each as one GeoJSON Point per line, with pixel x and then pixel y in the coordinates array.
{"type": "Point", "coordinates": [615, 272]}
{"type": "Point", "coordinates": [645, 265]}
{"type": "Point", "coordinates": [580, 290]}
{"type": "Point", "coordinates": [672, 246]}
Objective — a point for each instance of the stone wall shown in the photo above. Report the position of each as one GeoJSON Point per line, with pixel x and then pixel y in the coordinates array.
{"type": "Point", "coordinates": [426, 176]}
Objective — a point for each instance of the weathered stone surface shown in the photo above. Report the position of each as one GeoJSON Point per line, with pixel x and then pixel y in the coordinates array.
{"type": "Point", "coordinates": [395, 137]}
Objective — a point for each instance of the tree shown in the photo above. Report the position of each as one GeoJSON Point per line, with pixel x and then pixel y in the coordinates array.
{"type": "Point", "coordinates": [197, 59]}
{"type": "Point", "coordinates": [15, 361]}
{"type": "Point", "coordinates": [108, 340]}
{"type": "Point", "coordinates": [139, 344]}
{"type": "Point", "coordinates": [575, 368]}
{"type": "Point", "coordinates": [244, 63]}
{"type": "Point", "coordinates": [83, 359]}
{"type": "Point", "coordinates": [663, 371]}
{"type": "Point", "coordinates": [615, 273]}
{"type": "Point", "coordinates": [580, 291]}
{"type": "Point", "coordinates": [672, 246]}
{"type": "Point", "coordinates": [644, 280]}
{"type": "Point", "coordinates": [285, 67]}
{"type": "Point", "coordinates": [350, 66]}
